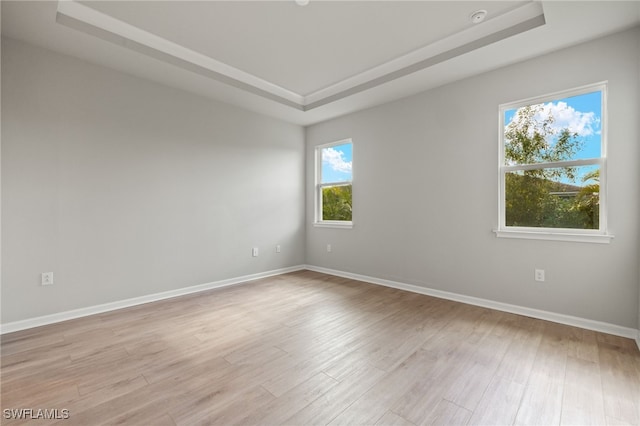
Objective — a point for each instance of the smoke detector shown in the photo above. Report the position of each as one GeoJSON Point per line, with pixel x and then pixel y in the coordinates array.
{"type": "Point", "coordinates": [478, 16]}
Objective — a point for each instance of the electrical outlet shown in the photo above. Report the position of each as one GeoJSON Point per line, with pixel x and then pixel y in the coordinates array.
{"type": "Point", "coordinates": [328, 248]}
{"type": "Point", "coordinates": [47, 278]}
{"type": "Point", "coordinates": [254, 252]}
{"type": "Point", "coordinates": [278, 248]}
{"type": "Point", "coordinates": [539, 274]}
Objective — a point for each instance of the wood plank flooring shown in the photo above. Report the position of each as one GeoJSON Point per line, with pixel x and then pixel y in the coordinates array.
{"type": "Point", "coordinates": [312, 349]}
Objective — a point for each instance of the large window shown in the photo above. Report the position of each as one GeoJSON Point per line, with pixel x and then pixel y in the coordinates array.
{"type": "Point", "coordinates": [553, 166]}
{"type": "Point", "coordinates": [334, 176]}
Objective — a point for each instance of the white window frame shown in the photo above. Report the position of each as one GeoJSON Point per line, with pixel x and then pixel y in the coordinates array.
{"type": "Point", "coordinates": [600, 235]}
{"type": "Point", "coordinates": [318, 221]}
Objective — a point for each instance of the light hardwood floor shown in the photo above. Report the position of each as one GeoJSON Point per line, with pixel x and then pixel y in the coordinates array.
{"type": "Point", "coordinates": [306, 348]}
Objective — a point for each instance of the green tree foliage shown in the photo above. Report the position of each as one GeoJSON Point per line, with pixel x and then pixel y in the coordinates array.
{"type": "Point", "coordinates": [587, 201]}
{"type": "Point", "coordinates": [336, 202]}
{"type": "Point", "coordinates": [537, 198]}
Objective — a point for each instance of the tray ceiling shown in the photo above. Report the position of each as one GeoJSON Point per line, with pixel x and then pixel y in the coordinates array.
{"type": "Point", "coordinates": [309, 63]}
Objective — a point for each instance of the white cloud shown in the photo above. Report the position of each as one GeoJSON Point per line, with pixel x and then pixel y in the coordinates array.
{"type": "Point", "coordinates": [566, 117]}
{"type": "Point", "coordinates": [335, 159]}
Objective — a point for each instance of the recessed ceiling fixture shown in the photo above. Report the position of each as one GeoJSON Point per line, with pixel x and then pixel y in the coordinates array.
{"type": "Point", "coordinates": [302, 2]}
{"type": "Point", "coordinates": [477, 16]}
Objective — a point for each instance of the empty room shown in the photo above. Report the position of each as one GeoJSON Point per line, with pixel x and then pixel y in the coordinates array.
{"type": "Point", "coordinates": [311, 212]}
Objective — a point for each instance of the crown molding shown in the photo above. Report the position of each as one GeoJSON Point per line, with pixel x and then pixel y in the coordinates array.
{"type": "Point", "coordinates": [90, 21]}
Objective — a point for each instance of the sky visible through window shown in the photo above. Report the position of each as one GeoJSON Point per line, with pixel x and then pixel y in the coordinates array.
{"type": "Point", "coordinates": [581, 114]}
{"type": "Point", "coordinates": [337, 163]}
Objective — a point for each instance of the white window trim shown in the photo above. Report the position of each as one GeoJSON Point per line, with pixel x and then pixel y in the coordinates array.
{"type": "Point", "coordinates": [600, 235]}
{"type": "Point", "coordinates": [318, 223]}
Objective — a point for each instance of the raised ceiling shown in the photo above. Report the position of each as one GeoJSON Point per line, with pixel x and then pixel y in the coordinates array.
{"type": "Point", "coordinates": [307, 64]}
{"type": "Point", "coordinates": [302, 49]}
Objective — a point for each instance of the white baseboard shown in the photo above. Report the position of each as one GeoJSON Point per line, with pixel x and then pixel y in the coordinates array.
{"type": "Point", "coordinates": [588, 324]}
{"type": "Point", "coordinates": [106, 307]}
{"type": "Point", "coordinates": [603, 327]}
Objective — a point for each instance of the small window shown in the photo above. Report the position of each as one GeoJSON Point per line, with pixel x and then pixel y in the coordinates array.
{"type": "Point", "coordinates": [553, 166]}
{"type": "Point", "coordinates": [334, 184]}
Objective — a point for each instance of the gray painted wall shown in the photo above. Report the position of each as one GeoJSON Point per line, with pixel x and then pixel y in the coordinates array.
{"type": "Point", "coordinates": [124, 188]}
{"type": "Point", "coordinates": [425, 191]}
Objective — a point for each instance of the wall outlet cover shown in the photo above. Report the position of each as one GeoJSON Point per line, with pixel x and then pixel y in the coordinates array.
{"type": "Point", "coordinates": [47, 278]}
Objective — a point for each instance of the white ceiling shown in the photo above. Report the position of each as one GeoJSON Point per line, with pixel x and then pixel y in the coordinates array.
{"type": "Point", "coordinates": [302, 49]}
{"type": "Point", "coordinates": [308, 64]}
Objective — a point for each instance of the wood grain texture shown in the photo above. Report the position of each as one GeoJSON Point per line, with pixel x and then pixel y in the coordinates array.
{"type": "Point", "coordinates": [311, 349]}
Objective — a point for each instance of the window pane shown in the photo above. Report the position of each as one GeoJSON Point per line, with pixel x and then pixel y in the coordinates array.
{"type": "Point", "coordinates": [553, 198]}
{"type": "Point", "coordinates": [336, 163]}
{"type": "Point", "coordinates": [336, 202]}
{"type": "Point", "coordinates": [560, 130]}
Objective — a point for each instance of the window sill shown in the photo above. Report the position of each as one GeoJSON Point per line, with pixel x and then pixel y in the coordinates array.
{"type": "Point", "coordinates": [554, 236]}
{"type": "Point", "coordinates": [334, 224]}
